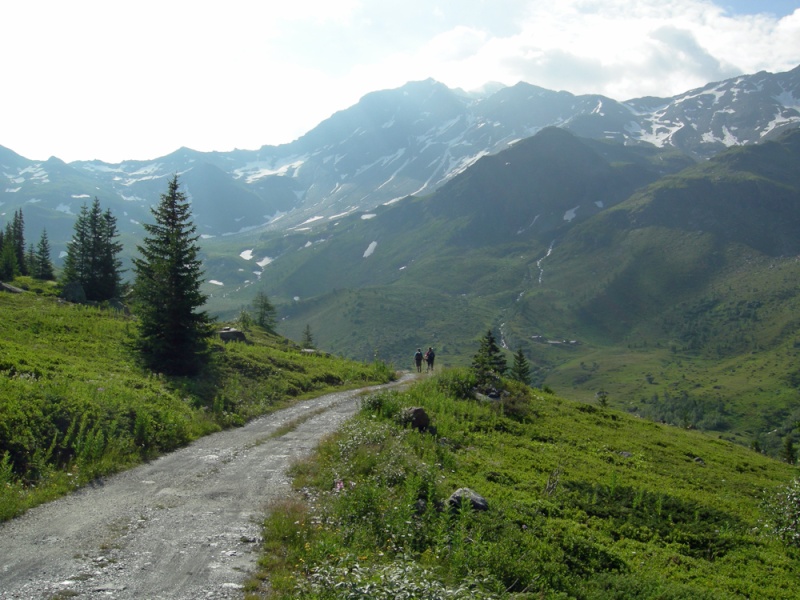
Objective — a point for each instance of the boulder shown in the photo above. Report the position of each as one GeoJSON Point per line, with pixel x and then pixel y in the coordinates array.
{"type": "Point", "coordinates": [416, 417]}
{"type": "Point", "coordinates": [229, 334]}
{"type": "Point", "coordinates": [4, 287]}
{"type": "Point", "coordinates": [74, 292]}
{"type": "Point", "coordinates": [119, 306]}
{"type": "Point", "coordinates": [462, 495]}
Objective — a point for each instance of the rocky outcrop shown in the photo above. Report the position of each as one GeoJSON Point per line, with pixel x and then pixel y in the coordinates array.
{"type": "Point", "coordinates": [229, 334]}
{"type": "Point", "coordinates": [463, 495]}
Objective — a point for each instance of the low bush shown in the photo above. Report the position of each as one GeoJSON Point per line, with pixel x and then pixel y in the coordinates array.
{"type": "Point", "coordinates": [582, 504]}
{"type": "Point", "coordinates": [75, 403]}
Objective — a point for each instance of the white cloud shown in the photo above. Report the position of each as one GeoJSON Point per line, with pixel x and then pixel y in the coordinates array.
{"type": "Point", "coordinates": [244, 73]}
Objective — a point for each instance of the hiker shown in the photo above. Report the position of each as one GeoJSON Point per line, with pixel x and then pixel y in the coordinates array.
{"type": "Point", "coordinates": [429, 356]}
{"type": "Point", "coordinates": [418, 360]}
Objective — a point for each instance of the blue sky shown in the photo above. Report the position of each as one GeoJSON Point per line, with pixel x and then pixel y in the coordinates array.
{"type": "Point", "coordinates": [117, 80]}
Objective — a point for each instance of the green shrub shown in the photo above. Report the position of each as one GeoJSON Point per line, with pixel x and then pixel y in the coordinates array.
{"type": "Point", "coordinates": [75, 404]}
{"type": "Point", "coordinates": [385, 404]}
{"type": "Point", "coordinates": [457, 383]}
{"type": "Point", "coordinates": [783, 509]}
{"type": "Point", "coordinates": [584, 504]}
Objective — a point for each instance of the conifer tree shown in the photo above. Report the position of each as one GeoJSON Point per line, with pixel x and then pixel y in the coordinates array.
{"type": "Point", "coordinates": [172, 331]}
{"type": "Point", "coordinates": [30, 261]}
{"type": "Point", "coordinates": [265, 313]}
{"type": "Point", "coordinates": [43, 265]}
{"type": "Point", "coordinates": [308, 339]}
{"type": "Point", "coordinates": [107, 264]}
{"type": "Point", "coordinates": [77, 265]}
{"type": "Point", "coordinates": [245, 319]}
{"type": "Point", "coordinates": [521, 369]}
{"type": "Point", "coordinates": [12, 248]}
{"type": "Point", "coordinates": [8, 256]}
{"type": "Point", "coordinates": [18, 236]}
{"type": "Point", "coordinates": [489, 362]}
{"type": "Point", "coordinates": [92, 254]}
{"type": "Point", "coordinates": [789, 452]}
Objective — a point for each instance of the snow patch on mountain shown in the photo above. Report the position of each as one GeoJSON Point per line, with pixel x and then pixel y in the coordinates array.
{"type": "Point", "coordinates": [787, 99]}
{"type": "Point", "coordinates": [571, 214]}
{"type": "Point", "coordinates": [728, 139]}
{"type": "Point", "coordinates": [308, 221]}
{"type": "Point", "coordinates": [247, 254]}
{"type": "Point", "coordinates": [264, 261]}
{"type": "Point", "coordinates": [343, 214]}
{"type": "Point", "coordinates": [778, 121]}
{"type": "Point", "coordinates": [368, 216]}
{"type": "Point", "coordinates": [383, 161]}
{"type": "Point", "coordinates": [370, 249]}
{"type": "Point", "coordinates": [37, 174]}
{"type": "Point", "coordinates": [465, 163]}
{"type": "Point", "coordinates": [394, 175]}
{"type": "Point", "coordinates": [660, 133]}
{"type": "Point", "coordinates": [524, 229]}
{"type": "Point", "coordinates": [149, 172]}
{"type": "Point", "coordinates": [253, 171]}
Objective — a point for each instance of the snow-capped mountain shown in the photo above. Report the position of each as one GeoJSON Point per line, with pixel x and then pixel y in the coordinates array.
{"type": "Point", "coordinates": [391, 144]}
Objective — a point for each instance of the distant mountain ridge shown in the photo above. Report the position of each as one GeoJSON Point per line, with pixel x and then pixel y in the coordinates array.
{"type": "Point", "coordinates": [669, 284]}
{"type": "Point", "coordinates": [391, 144]}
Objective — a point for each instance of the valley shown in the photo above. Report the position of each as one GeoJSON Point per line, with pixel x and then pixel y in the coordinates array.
{"type": "Point", "coordinates": [658, 234]}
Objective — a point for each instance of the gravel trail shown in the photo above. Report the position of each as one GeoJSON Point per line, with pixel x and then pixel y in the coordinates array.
{"type": "Point", "coordinates": [184, 526]}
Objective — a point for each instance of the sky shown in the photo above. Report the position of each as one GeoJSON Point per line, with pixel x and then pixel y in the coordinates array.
{"type": "Point", "coordinates": [121, 79]}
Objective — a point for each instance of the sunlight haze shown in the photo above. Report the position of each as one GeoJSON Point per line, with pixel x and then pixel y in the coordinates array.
{"type": "Point", "coordinates": [137, 80]}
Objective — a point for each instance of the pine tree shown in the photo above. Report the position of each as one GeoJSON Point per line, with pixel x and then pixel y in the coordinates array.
{"type": "Point", "coordinates": [172, 331]}
{"type": "Point", "coordinates": [92, 254]}
{"type": "Point", "coordinates": [8, 255]}
{"type": "Point", "coordinates": [265, 313]}
{"type": "Point", "coordinates": [308, 339]}
{"type": "Point", "coordinates": [30, 261]}
{"type": "Point", "coordinates": [8, 260]}
{"type": "Point", "coordinates": [521, 369]}
{"type": "Point", "coordinates": [43, 264]}
{"type": "Point", "coordinates": [489, 362]}
{"type": "Point", "coordinates": [107, 265]}
{"type": "Point", "coordinates": [77, 261]}
{"type": "Point", "coordinates": [789, 452]}
{"type": "Point", "coordinates": [245, 319]}
{"type": "Point", "coordinates": [18, 233]}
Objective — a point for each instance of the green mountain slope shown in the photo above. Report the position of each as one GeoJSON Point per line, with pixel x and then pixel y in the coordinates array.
{"type": "Point", "coordinates": [667, 284]}
{"type": "Point", "coordinates": [76, 403]}
{"type": "Point", "coordinates": [580, 502]}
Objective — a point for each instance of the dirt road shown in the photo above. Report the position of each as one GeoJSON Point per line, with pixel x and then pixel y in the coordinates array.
{"type": "Point", "coordinates": [185, 526]}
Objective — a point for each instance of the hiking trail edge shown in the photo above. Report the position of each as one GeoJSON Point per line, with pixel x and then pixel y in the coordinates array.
{"type": "Point", "coordinates": [184, 526]}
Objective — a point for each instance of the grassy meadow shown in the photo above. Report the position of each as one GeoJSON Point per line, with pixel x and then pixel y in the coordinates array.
{"type": "Point", "coordinates": [75, 404]}
{"type": "Point", "coordinates": [583, 501]}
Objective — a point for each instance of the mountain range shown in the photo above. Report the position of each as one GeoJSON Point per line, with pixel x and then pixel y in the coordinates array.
{"type": "Point", "coordinates": [391, 144]}
{"type": "Point", "coordinates": [673, 293]}
{"type": "Point", "coordinates": [645, 249]}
